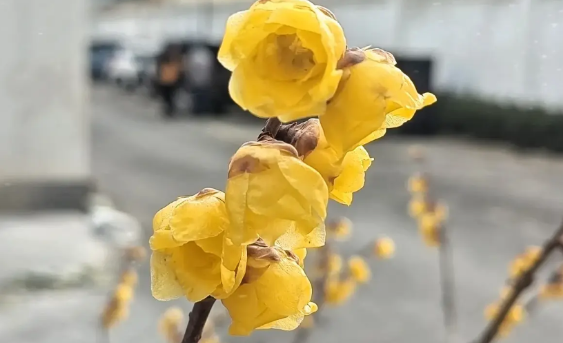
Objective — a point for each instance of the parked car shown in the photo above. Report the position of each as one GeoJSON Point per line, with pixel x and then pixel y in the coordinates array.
{"type": "Point", "coordinates": [101, 52]}
{"type": "Point", "coordinates": [124, 69]}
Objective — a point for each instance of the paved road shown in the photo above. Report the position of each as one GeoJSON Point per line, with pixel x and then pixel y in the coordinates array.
{"type": "Point", "coordinates": [499, 203]}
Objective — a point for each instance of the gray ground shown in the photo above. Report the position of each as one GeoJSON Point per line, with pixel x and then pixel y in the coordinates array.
{"type": "Point", "coordinates": [499, 201]}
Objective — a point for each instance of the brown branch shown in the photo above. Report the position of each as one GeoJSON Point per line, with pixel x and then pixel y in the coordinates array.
{"type": "Point", "coordinates": [520, 285]}
{"type": "Point", "coordinates": [447, 284]}
{"type": "Point", "coordinates": [197, 319]}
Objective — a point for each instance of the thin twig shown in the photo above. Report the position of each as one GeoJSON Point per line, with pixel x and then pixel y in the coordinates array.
{"type": "Point", "coordinates": [520, 284]}
{"type": "Point", "coordinates": [197, 319]}
{"type": "Point", "coordinates": [447, 283]}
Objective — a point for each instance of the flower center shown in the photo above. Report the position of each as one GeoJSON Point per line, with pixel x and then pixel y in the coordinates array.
{"type": "Point", "coordinates": [284, 58]}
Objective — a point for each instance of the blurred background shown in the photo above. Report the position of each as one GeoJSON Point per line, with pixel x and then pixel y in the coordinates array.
{"type": "Point", "coordinates": [100, 128]}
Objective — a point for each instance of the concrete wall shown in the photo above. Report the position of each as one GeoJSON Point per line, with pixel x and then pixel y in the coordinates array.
{"type": "Point", "coordinates": [44, 126]}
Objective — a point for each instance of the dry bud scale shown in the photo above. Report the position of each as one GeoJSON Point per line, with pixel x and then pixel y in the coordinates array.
{"type": "Point", "coordinates": [246, 246]}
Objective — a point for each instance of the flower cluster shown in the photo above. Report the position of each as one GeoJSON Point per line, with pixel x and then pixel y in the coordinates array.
{"type": "Point", "coordinates": [524, 261]}
{"type": "Point", "coordinates": [341, 281]}
{"type": "Point", "coordinates": [117, 309]}
{"type": "Point", "coordinates": [429, 214]}
{"type": "Point", "coordinates": [515, 315]}
{"type": "Point", "coordinates": [246, 246]}
{"type": "Point", "coordinates": [289, 60]}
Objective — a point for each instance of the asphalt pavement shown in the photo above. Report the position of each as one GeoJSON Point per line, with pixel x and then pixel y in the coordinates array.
{"type": "Point", "coordinates": [499, 201]}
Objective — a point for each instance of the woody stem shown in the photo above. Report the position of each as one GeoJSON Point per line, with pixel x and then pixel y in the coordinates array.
{"type": "Point", "coordinates": [197, 319]}
{"type": "Point", "coordinates": [519, 286]}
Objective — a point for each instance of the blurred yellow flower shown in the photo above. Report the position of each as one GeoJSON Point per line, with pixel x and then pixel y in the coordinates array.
{"type": "Point", "coordinates": [283, 56]}
{"type": "Point", "coordinates": [532, 254]}
{"type": "Point", "coordinates": [429, 225]}
{"type": "Point", "coordinates": [270, 192]}
{"type": "Point", "coordinates": [417, 206]}
{"type": "Point", "coordinates": [417, 184]}
{"type": "Point", "coordinates": [359, 269]}
{"type": "Point", "coordinates": [191, 256]}
{"type": "Point", "coordinates": [338, 291]}
{"type": "Point", "coordinates": [515, 316]}
{"type": "Point", "coordinates": [169, 324]}
{"type": "Point", "coordinates": [208, 335]}
{"type": "Point", "coordinates": [334, 264]}
{"type": "Point", "coordinates": [552, 291]}
{"type": "Point", "coordinates": [276, 294]}
{"type": "Point", "coordinates": [384, 247]}
{"type": "Point", "coordinates": [129, 277]}
{"type": "Point", "coordinates": [524, 261]}
{"type": "Point", "coordinates": [373, 96]}
{"type": "Point", "coordinates": [117, 309]}
{"type": "Point", "coordinates": [340, 229]}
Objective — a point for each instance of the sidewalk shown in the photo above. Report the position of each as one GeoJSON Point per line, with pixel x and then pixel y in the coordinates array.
{"type": "Point", "coordinates": [56, 271]}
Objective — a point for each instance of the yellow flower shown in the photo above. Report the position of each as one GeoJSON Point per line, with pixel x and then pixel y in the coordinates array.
{"type": "Point", "coordinates": [118, 307]}
{"type": "Point", "coordinates": [524, 261]}
{"type": "Point", "coordinates": [271, 192]}
{"type": "Point", "coordinates": [283, 56]}
{"type": "Point", "coordinates": [359, 269]}
{"type": "Point", "coordinates": [517, 267]}
{"type": "Point", "coordinates": [384, 247]}
{"type": "Point", "coordinates": [191, 255]}
{"type": "Point", "coordinates": [338, 291]}
{"type": "Point", "coordinates": [417, 206]}
{"type": "Point", "coordinates": [276, 293]}
{"type": "Point", "coordinates": [343, 172]}
{"type": "Point", "coordinates": [552, 291]}
{"type": "Point", "coordinates": [429, 227]}
{"type": "Point", "coordinates": [532, 254]}
{"type": "Point", "coordinates": [417, 184]}
{"type": "Point", "coordinates": [515, 315]}
{"type": "Point", "coordinates": [169, 324]}
{"type": "Point", "coordinates": [129, 277]}
{"type": "Point", "coordinates": [334, 264]}
{"type": "Point", "coordinates": [340, 229]}
{"type": "Point", "coordinates": [373, 96]}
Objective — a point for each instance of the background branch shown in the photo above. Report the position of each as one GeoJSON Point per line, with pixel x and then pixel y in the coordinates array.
{"type": "Point", "coordinates": [447, 284]}
{"type": "Point", "coordinates": [520, 284]}
{"type": "Point", "coordinates": [197, 319]}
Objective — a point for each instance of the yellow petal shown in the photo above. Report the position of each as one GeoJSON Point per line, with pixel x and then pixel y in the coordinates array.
{"type": "Point", "coordinates": [294, 239]}
{"type": "Point", "coordinates": [196, 272]}
{"type": "Point", "coordinates": [233, 265]}
{"type": "Point", "coordinates": [188, 219]}
{"type": "Point", "coordinates": [164, 285]}
{"type": "Point", "coordinates": [374, 88]}
{"type": "Point", "coordinates": [284, 288]}
{"type": "Point", "coordinates": [268, 183]}
{"type": "Point", "coordinates": [352, 177]}
{"type": "Point", "coordinates": [247, 312]}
